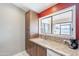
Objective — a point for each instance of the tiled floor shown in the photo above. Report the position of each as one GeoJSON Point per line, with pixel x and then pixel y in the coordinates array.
{"type": "Point", "coordinates": [24, 53]}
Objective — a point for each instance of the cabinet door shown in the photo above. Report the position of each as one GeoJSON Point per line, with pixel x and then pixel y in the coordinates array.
{"type": "Point", "coordinates": [34, 49]}
{"type": "Point", "coordinates": [41, 51]}
{"type": "Point", "coordinates": [37, 50]}
{"type": "Point", "coordinates": [31, 49]}
{"type": "Point", "coordinates": [28, 47]}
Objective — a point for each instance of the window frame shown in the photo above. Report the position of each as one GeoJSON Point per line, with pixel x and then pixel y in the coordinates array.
{"type": "Point", "coordinates": [51, 32]}
{"type": "Point", "coordinates": [62, 13]}
{"type": "Point", "coordinates": [73, 9]}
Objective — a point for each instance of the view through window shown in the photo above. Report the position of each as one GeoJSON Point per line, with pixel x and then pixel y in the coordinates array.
{"type": "Point", "coordinates": [59, 24]}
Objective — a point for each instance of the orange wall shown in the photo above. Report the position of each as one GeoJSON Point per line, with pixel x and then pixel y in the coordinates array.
{"type": "Point", "coordinates": [55, 8]}
{"type": "Point", "coordinates": [61, 6]}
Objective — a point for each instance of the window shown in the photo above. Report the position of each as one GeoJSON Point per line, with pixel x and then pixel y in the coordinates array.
{"type": "Point", "coordinates": [42, 27]}
{"type": "Point", "coordinates": [62, 29]}
{"type": "Point", "coordinates": [60, 23]}
{"type": "Point", "coordinates": [66, 29]}
{"type": "Point", "coordinates": [46, 25]}
{"type": "Point", "coordinates": [56, 29]}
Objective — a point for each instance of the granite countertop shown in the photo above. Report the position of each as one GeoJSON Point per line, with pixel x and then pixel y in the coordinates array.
{"type": "Point", "coordinates": [56, 46]}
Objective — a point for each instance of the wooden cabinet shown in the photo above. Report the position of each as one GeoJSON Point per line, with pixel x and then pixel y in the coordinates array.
{"type": "Point", "coordinates": [34, 50]}
{"type": "Point", "coordinates": [41, 51]}
{"type": "Point", "coordinates": [38, 50]}
{"type": "Point", "coordinates": [31, 31]}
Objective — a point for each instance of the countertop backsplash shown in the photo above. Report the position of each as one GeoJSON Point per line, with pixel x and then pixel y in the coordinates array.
{"type": "Point", "coordinates": [56, 39]}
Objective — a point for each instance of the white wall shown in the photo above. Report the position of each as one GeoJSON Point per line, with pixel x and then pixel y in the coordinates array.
{"type": "Point", "coordinates": [12, 29]}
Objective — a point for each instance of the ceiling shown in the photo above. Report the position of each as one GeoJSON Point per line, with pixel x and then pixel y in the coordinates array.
{"type": "Point", "coordinates": [37, 7]}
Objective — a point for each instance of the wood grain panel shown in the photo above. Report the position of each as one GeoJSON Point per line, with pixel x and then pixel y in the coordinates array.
{"type": "Point", "coordinates": [41, 51]}
{"type": "Point", "coordinates": [31, 31]}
